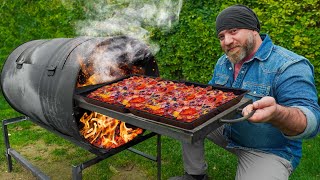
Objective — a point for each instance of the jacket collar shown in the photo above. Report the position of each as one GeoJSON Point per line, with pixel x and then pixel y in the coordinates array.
{"type": "Point", "coordinates": [265, 48]}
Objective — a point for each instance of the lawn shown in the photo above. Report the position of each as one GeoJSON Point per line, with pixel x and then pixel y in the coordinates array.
{"type": "Point", "coordinates": [55, 156]}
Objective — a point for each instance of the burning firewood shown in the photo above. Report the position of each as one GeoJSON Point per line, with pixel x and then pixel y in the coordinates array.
{"type": "Point", "coordinates": [106, 132]}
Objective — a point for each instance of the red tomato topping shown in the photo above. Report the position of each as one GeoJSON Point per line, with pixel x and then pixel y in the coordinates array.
{"type": "Point", "coordinates": [137, 100]}
{"type": "Point", "coordinates": [201, 92]}
{"type": "Point", "coordinates": [140, 86]}
{"type": "Point", "coordinates": [219, 97]}
{"type": "Point", "coordinates": [190, 96]}
{"type": "Point", "coordinates": [189, 111]}
{"type": "Point", "coordinates": [152, 82]}
{"type": "Point", "coordinates": [170, 88]}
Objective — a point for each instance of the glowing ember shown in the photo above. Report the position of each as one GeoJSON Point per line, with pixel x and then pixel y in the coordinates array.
{"type": "Point", "coordinates": [106, 132]}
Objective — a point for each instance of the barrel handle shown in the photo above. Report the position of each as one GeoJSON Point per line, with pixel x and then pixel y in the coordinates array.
{"type": "Point", "coordinates": [238, 119]}
{"type": "Point", "coordinates": [27, 51]}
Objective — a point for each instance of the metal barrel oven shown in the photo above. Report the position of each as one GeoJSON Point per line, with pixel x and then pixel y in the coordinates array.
{"type": "Point", "coordinates": [39, 77]}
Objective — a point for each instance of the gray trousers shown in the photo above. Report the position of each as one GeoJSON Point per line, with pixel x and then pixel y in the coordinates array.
{"type": "Point", "coordinates": [252, 165]}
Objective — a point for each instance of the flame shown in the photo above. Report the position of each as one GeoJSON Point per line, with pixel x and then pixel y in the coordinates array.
{"type": "Point", "coordinates": [101, 66]}
{"type": "Point", "coordinates": [106, 132]}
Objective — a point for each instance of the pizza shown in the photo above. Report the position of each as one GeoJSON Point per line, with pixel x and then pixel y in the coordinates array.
{"type": "Point", "coordinates": [161, 97]}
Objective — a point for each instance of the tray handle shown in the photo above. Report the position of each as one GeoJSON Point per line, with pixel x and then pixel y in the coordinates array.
{"type": "Point", "coordinates": [238, 119]}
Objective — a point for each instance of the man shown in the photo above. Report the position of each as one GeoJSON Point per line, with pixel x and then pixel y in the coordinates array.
{"type": "Point", "coordinates": [269, 144]}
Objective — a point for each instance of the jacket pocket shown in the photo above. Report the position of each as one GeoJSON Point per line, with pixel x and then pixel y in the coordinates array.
{"type": "Point", "coordinates": [256, 91]}
{"type": "Point", "coordinates": [221, 79]}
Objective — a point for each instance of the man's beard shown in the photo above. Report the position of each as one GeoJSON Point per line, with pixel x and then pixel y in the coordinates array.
{"type": "Point", "coordinates": [244, 51]}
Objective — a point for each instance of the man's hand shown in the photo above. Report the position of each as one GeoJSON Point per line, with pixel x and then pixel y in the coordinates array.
{"type": "Point", "coordinates": [291, 121]}
{"type": "Point", "coordinates": [265, 109]}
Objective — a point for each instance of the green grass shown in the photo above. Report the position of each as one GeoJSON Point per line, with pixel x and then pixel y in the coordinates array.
{"type": "Point", "coordinates": [54, 150]}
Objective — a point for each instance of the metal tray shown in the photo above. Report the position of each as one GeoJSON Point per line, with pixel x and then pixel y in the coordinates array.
{"type": "Point", "coordinates": [186, 125]}
{"type": "Point", "coordinates": [84, 91]}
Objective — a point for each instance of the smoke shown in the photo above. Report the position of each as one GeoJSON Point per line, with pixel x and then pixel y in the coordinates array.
{"type": "Point", "coordinates": [129, 17]}
{"type": "Point", "coordinates": [126, 24]}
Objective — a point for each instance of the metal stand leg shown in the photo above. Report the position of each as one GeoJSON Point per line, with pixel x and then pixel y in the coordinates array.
{"type": "Point", "coordinates": [77, 172]}
{"type": "Point", "coordinates": [11, 153]}
{"type": "Point", "coordinates": [6, 137]}
{"type": "Point", "coordinates": [159, 155]}
{"type": "Point", "coordinates": [7, 143]}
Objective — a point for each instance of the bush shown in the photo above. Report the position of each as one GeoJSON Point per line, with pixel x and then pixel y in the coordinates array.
{"type": "Point", "coordinates": [24, 21]}
{"type": "Point", "coordinates": [190, 50]}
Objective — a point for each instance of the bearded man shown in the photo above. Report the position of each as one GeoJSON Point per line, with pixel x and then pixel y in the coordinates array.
{"type": "Point", "coordinates": [269, 144]}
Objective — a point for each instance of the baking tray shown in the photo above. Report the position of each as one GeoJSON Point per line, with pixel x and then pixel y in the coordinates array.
{"type": "Point", "coordinates": [83, 92]}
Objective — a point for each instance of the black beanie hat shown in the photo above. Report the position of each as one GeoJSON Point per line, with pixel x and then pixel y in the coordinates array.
{"type": "Point", "coordinates": [237, 16]}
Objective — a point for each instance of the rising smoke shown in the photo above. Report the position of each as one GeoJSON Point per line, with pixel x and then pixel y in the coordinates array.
{"type": "Point", "coordinates": [129, 17]}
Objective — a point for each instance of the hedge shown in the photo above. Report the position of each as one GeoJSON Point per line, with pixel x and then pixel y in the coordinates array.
{"type": "Point", "coordinates": [23, 21]}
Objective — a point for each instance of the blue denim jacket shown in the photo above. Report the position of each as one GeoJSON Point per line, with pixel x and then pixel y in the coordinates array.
{"type": "Point", "coordinates": [277, 72]}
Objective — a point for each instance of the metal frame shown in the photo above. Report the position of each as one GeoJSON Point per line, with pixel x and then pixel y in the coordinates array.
{"type": "Point", "coordinates": [156, 128]}
{"type": "Point", "coordinates": [77, 169]}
